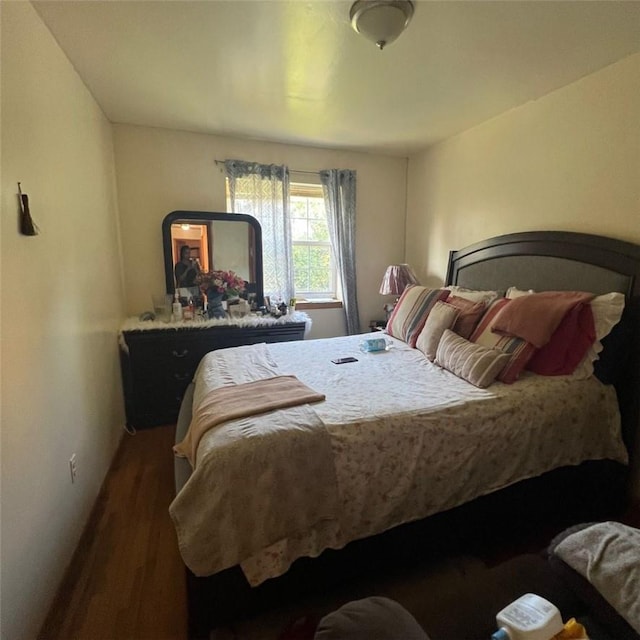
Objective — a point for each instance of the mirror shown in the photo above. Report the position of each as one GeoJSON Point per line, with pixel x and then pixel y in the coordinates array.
{"type": "Point", "coordinates": [228, 241]}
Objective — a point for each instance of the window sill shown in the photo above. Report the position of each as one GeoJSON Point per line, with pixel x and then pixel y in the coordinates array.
{"type": "Point", "coordinates": [311, 304]}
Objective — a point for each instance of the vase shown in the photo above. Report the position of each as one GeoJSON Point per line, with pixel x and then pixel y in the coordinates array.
{"type": "Point", "coordinates": [214, 304]}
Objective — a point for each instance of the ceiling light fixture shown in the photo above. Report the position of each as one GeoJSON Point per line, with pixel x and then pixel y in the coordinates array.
{"type": "Point", "coordinates": [381, 21]}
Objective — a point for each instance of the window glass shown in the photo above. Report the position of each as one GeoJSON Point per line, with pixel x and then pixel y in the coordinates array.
{"type": "Point", "coordinates": [314, 271]}
{"type": "Point", "coordinates": [313, 264]}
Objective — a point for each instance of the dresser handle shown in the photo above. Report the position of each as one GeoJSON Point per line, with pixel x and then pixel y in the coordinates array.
{"type": "Point", "coordinates": [181, 376]}
{"type": "Point", "coordinates": [181, 354]}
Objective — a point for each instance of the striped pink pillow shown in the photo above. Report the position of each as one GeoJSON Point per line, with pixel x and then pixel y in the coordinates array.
{"type": "Point", "coordinates": [472, 362]}
{"type": "Point", "coordinates": [520, 350]}
{"type": "Point", "coordinates": [411, 312]}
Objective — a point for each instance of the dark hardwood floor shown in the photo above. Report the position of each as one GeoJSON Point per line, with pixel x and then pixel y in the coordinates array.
{"type": "Point", "coordinates": [126, 580]}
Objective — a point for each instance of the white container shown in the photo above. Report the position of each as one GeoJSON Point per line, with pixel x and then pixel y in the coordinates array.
{"type": "Point", "coordinates": [530, 617]}
{"type": "Point", "coordinates": [176, 309]}
{"type": "Point", "coordinates": [162, 306]}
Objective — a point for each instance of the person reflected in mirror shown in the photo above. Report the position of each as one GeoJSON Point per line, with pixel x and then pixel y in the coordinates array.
{"type": "Point", "coordinates": [187, 269]}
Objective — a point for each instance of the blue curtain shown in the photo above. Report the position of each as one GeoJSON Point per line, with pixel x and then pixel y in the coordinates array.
{"type": "Point", "coordinates": [262, 190]}
{"type": "Point", "coordinates": [339, 187]}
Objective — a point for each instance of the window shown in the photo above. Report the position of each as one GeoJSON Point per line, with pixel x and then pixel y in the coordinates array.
{"type": "Point", "coordinates": [314, 269]}
{"type": "Point", "coordinates": [313, 265]}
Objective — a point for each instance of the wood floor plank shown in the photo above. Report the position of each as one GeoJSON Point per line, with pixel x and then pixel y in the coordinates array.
{"type": "Point", "coordinates": [126, 580]}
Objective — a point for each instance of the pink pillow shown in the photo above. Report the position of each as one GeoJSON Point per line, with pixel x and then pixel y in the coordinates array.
{"type": "Point", "coordinates": [470, 314]}
{"type": "Point", "coordinates": [519, 350]}
{"type": "Point", "coordinates": [535, 317]}
{"type": "Point", "coordinates": [568, 345]}
{"type": "Point", "coordinates": [411, 312]}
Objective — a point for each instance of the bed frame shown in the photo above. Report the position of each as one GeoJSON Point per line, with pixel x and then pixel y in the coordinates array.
{"type": "Point", "coordinates": [560, 261]}
{"type": "Point", "coordinates": [544, 260]}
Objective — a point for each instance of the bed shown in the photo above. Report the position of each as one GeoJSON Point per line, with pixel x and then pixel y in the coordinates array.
{"type": "Point", "coordinates": [374, 459]}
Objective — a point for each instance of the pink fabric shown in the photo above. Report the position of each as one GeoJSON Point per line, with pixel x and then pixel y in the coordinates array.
{"type": "Point", "coordinates": [568, 345]}
{"type": "Point", "coordinates": [241, 401]}
{"type": "Point", "coordinates": [519, 350]}
{"type": "Point", "coordinates": [411, 312]}
{"type": "Point", "coordinates": [535, 317]}
{"type": "Point", "coordinates": [470, 314]}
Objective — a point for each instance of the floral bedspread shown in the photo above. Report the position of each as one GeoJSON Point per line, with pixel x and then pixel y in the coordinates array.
{"type": "Point", "coordinates": [410, 439]}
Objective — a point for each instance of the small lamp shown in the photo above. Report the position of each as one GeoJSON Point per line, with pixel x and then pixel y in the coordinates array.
{"type": "Point", "coordinates": [395, 280]}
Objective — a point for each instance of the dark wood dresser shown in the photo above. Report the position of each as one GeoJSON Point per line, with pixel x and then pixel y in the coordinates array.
{"type": "Point", "coordinates": [158, 361]}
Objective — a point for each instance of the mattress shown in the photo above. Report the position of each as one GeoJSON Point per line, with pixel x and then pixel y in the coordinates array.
{"type": "Point", "coordinates": [408, 439]}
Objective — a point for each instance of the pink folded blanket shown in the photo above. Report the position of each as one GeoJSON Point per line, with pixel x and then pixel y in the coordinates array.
{"type": "Point", "coordinates": [535, 317]}
{"type": "Point", "coordinates": [240, 401]}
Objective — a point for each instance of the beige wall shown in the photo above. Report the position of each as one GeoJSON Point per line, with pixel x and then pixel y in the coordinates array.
{"type": "Point", "coordinates": [61, 307]}
{"type": "Point", "coordinates": [159, 171]}
{"type": "Point", "coordinates": [568, 161]}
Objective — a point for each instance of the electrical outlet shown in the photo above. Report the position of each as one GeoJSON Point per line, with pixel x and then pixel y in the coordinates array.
{"type": "Point", "coordinates": [73, 468]}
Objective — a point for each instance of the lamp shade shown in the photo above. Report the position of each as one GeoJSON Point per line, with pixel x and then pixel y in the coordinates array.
{"type": "Point", "coordinates": [396, 278]}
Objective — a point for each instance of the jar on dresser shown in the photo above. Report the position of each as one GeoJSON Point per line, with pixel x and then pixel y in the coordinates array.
{"type": "Point", "coordinates": [158, 360]}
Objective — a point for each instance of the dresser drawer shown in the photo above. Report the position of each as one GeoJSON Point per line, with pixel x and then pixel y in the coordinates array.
{"type": "Point", "coordinates": [168, 351]}
{"type": "Point", "coordinates": [159, 364]}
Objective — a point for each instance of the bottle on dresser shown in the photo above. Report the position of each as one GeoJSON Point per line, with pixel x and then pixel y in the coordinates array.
{"type": "Point", "coordinates": [176, 309]}
{"type": "Point", "coordinates": [188, 312]}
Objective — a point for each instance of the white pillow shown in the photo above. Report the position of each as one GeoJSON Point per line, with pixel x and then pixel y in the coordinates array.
{"type": "Point", "coordinates": [442, 316]}
{"type": "Point", "coordinates": [514, 292]}
{"type": "Point", "coordinates": [607, 311]}
{"type": "Point", "coordinates": [487, 297]}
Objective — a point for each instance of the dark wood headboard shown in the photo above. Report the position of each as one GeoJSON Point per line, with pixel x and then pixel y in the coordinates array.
{"type": "Point", "coordinates": [561, 261]}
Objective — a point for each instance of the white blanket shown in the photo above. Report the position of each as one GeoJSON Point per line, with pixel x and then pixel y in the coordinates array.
{"type": "Point", "coordinates": [257, 482]}
{"type": "Point", "coordinates": [410, 439]}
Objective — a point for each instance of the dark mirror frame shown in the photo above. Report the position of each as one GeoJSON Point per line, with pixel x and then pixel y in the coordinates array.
{"type": "Point", "coordinates": [198, 217]}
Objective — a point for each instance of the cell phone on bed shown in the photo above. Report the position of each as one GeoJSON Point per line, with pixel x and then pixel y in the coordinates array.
{"type": "Point", "coordinates": [344, 360]}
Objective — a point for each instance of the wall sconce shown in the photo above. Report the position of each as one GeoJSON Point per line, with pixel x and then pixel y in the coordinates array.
{"type": "Point", "coordinates": [381, 21]}
{"type": "Point", "coordinates": [396, 278]}
{"type": "Point", "coordinates": [27, 226]}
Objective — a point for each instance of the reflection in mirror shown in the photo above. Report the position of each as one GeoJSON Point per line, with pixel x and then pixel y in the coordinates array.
{"type": "Point", "coordinates": [196, 241]}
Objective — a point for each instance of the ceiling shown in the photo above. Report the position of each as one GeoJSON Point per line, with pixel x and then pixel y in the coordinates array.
{"type": "Point", "coordinates": [294, 71]}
